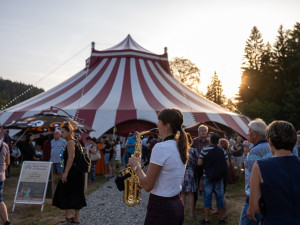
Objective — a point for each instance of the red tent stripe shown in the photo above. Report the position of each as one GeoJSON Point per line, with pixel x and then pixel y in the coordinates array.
{"type": "Point", "coordinates": [126, 109]}
{"type": "Point", "coordinates": [150, 98]}
{"type": "Point", "coordinates": [163, 90]}
{"type": "Point", "coordinates": [233, 124]}
{"type": "Point", "coordinates": [178, 89]}
{"type": "Point", "coordinates": [18, 114]}
{"type": "Point", "coordinates": [77, 95]}
{"type": "Point", "coordinates": [88, 111]}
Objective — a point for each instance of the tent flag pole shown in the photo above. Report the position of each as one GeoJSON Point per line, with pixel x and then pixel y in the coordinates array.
{"type": "Point", "coordinates": [21, 136]}
{"type": "Point", "coordinates": [114, 131]}
{"type": "Point", "coordinates": [216, 125]}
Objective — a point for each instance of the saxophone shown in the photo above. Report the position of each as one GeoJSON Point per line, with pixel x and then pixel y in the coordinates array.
{"type": "Point", "coordinates": [132, 186]}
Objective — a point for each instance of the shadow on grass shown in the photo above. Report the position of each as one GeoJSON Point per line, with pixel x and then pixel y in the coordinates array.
{"type": "Point", "coordinates": [235, 197]}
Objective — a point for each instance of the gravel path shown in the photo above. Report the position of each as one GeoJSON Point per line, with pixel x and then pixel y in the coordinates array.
{"type": "Point", "coordinates": [105, 206]}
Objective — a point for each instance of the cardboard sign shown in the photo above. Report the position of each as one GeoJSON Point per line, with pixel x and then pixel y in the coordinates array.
{"type": "Point", "coordinates": [33, 182]}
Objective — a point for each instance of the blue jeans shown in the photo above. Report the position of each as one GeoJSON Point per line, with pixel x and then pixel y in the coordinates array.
{"type": "Point", "coordinates": [216, 187]}
{"type": "Point", "coordinates": [92, 174]}
{"type": "Point", "coordinates": [244, 219]}
{"type": "Point", "coordinates": [1, 190]}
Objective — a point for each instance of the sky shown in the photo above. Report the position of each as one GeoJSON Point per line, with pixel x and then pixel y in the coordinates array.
{"type": "Point", "coordinates": [45, 42]}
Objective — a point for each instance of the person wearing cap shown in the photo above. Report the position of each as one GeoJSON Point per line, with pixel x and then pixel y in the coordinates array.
{"type": "Point", "coordinates": [215, 164]}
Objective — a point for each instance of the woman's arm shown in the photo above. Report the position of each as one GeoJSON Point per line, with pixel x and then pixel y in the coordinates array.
{"type": "Point", "coordinates": [147, 181]}
{"type": "Point", "coordinates": [255, 191]}
{"type": "Point", "coordinates": [71, 156]}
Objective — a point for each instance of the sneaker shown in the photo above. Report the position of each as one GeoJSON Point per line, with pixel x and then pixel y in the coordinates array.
{"type": "Point", "coordinates": [204, 222]}
{"type": "Point", "coordinates": [222, 222]}
{"type": "Point", "coordinates": [7, 223]}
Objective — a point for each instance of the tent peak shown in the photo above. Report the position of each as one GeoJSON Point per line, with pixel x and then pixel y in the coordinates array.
{"type": "Point", "coordinates": [128, 44]}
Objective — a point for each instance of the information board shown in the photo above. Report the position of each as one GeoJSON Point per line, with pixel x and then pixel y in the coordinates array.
{"type": "Point", "coordinates": [33, 182]}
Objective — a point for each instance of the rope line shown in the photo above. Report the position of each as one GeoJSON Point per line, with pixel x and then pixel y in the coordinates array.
{"type": "Point", "coordinates": [188, 102]}
{"type": "Point", "coordinates": [48, 74]}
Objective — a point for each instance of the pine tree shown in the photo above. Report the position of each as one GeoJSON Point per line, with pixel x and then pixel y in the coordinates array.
{"type": "Point", "coordinates": [215, 90]}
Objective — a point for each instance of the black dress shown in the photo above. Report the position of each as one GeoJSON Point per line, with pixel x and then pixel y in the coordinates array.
{"type": "Point", "coordinates": [28, 151]}
{"type": "Point", "coordinates": [70, 195]}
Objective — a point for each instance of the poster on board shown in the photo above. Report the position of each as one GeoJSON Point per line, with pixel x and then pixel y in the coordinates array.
{"type": "Point", "coordinates": [33, 182]}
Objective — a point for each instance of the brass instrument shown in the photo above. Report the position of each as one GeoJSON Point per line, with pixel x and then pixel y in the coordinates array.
{"type": "Point", "coordinates": [132, 185]}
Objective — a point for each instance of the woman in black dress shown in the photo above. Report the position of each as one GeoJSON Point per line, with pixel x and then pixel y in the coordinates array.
{"type": "Point", "coordinates": [28, 150]}
{"type": "Point", "coordinates": [69, 193]}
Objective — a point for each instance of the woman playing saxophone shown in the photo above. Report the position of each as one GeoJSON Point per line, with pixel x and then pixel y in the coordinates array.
{"type": "Point", "coordinates": [166, 170]}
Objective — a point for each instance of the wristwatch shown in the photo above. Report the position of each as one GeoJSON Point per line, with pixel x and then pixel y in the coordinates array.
{"type": "Point", "coordinates": [136, 167]}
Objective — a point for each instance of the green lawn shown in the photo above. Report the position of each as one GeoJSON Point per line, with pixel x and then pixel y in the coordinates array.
{"type": "Point", "coordinates": [235, 198]}
{"type": "Point", "coordinates": [31, 214]}
{"type": "Point", "coordinates": [25, 214]}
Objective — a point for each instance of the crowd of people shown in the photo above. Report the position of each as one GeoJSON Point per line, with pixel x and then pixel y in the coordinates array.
{"type": "Point", "coordinates": [213, 161]}
{"type": "Point", "coordinates": [181, 169]}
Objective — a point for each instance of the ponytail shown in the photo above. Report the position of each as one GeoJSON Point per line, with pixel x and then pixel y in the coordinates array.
{"type": "Point", "coordinates": [182, 144]}
{"type": "Point", "coordinates": [175, 118]}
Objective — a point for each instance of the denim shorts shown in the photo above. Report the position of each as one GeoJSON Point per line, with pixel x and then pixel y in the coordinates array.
{"type": "Point", "coordinates": [214, 187]}
{"type": "Point", "coordinates": [1, 190]}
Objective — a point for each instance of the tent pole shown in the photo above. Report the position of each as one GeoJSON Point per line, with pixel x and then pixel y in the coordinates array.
{"type": "Point", "coordinates": [216, 125]}
{"type": "Point", "coordinates": [21, 136]}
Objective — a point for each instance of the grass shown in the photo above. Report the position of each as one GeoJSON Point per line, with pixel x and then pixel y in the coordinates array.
{"type": "Point", "coordinates": [235, 197]}
{"type": "Point", "coordinates": [25, 214]}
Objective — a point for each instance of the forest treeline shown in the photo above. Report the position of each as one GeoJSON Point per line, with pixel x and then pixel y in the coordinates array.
{"type": "Point", "coordinates": [12, 93]}
{"type": "Point", "coordinates": [270, 85]}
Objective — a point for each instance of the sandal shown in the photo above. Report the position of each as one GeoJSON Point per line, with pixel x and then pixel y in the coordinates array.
{"type": "Point", "coordinates": [73, 221]}
{"type": "Point", "coordinates": [67, 220]}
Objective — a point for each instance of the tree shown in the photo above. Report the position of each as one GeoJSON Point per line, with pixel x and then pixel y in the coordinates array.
{"type": "Point", "coordinates": [187, 72]}
{"type": "Point", "coordinates": [12, 93]}
{"type": "Point", "coordinates": [215, 90]}
{"type": "Point", "coordinates": [271, 77]}
{"type": "Point", "coordinates": [253, 49]}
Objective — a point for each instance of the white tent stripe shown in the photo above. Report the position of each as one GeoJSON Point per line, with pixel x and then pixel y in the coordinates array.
{"type": "Point", "coordinates": [144, 110]}
{"type": "Point", "coordinates": [107, 112]}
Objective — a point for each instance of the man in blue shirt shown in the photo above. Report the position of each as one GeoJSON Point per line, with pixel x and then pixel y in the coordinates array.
{"type": "Point", "coordinates": [260, 150]}
{"type": "Point", "coordinates": [56, 145]}
{"type": "Point", "coordinates": [130, 145]}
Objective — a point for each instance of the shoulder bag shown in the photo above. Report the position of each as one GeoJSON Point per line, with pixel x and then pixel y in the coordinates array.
{"type": "Point", "coordinates": [95, 156]}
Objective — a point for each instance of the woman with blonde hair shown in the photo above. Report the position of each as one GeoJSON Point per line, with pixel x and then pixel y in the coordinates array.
{"type": "Point", "coordinates": [69, 193]}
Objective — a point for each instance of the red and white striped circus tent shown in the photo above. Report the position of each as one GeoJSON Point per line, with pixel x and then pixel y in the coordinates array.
{"type": "Point", "coordinates": [125, 87]}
